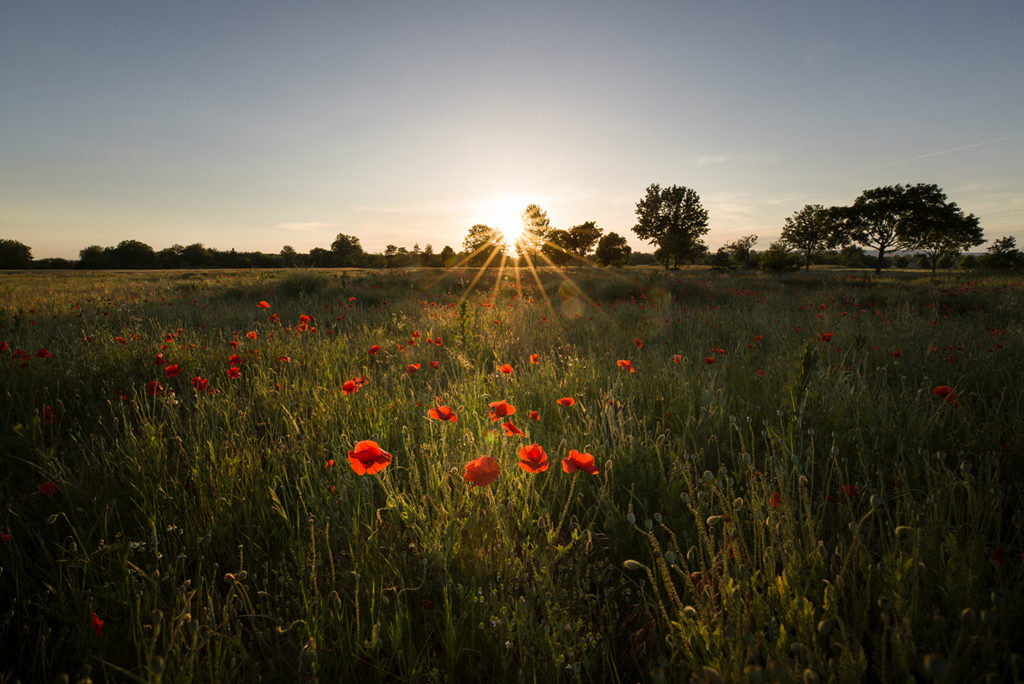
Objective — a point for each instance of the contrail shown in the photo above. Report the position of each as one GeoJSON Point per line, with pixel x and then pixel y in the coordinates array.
{"type": "Point", "coordinates": [952, 149]}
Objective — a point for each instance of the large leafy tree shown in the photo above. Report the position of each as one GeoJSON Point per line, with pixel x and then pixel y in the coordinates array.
{"type": "Point", "coordinates": [14, 254]}
{"type": "Point", "coordinates": [582, 238]}
{"type": "Point", "coordinates": [483, 245]}
{"type": "Point", "coordinates": [612, 250]}
{"type": "Point", "coordinates": [673, 219]}
{"type": "Point", "coordinates": [347, 250]}
{"type": "Point", "coordinates": [1003, 254]}
{"type": "Point", "coordinates": [133, 254]}
{"type": "Point", "coordinates": [937, 227]}
{"type": "Point", "coordinates": [809, 230]}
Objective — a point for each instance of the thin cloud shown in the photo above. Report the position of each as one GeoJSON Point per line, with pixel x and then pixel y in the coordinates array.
{"type": "Point", "coordinates": [711, 159]}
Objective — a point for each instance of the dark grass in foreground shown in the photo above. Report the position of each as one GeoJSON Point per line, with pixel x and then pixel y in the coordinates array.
{"type": "Point", "coordinates": [781, 493]}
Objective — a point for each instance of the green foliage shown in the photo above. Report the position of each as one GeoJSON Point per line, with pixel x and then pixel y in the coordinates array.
{"type": "Point", "coordinates": [804, 505]}
{"type": "Point", "coordinates": [673, 219]}
{"type": "Point", "coordinates": [14, 254]}
{"type": "Point", "coordinates": [612, 250]}
{"type": "Point", "coordinates": [777, 258]}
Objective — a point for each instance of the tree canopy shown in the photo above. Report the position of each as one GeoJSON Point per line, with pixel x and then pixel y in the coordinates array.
{"type": "Point", "coordinates": [673, 219]}
{"type": "Point", "coordinates": [612, 250]}
{"type": "Point", "coordinates": [14, 254]}
{"type": "Point", "coordinates": [809, 230]}
{"type": "Point", "coordinates": [483, 244]}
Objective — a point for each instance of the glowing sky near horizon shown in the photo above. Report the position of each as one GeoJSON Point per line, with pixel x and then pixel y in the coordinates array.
{"type": "Point", "coordinates": [252, 125]}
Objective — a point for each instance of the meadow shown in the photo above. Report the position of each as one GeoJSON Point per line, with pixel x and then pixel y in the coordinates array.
{"type": "Point", "coordinates": [809, 477]}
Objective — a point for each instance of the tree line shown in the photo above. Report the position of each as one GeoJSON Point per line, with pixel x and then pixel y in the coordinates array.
{"type": "Point", "coordinates": [910, 219]}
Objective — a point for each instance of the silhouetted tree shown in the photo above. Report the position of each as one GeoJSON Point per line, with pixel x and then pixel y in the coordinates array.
{"type": "Point", "coordinates": [612, 250]}
{"type": "Point", "coordinates": [582, 238]}
{"type": "Point", "coordinates": [939, 228]}
{"type": "Point", "coordinates": [484, 245]}
{"type": "Point", "coordinates": [347, 250]}
{"type": "Point", "coordinates": [93, 257]}
{"type": "Point", "coordinates": [556, 247]}
{"type": "Point", "coordinates": [673, 219]}
{"type": "Point", "coordinates": [14, 254]}
{"type": "Point", "coordinates": [195, 255]}
{"type": "Point", "coordinates": [740, 250]}
{"type": "Point", "coordinates": [171, 257]}
{"type": "Point", "coordinates": [536, 232]}
{"type": "Point", "coordinates": [133, 254]}
{"type": "Point", "coordinates": [809, 230]}
{"type": "Point", "coordinates": [447, 256]}
{"type": "Point", "coordinates": [1003, 254]}
{"type": "Point", "coordinates": [289, 257]}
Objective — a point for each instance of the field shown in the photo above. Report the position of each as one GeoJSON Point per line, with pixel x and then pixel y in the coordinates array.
{"type": "Point", "coordinates": [809, 477]}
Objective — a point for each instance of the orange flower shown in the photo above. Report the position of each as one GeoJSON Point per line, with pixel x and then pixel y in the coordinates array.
{"type": "Point", "coordinates": [505, 368]}
{"type": "Point", "coordinates": [579, 461]}
{"type": "Point", "coordinates": [374, 349]}
{"type": "Point", "coordinates": [97, 624]}
{"type": "Point", "coordinates": [263, 305]}
{"type": "Point", "coordinates": [535, 358]}
{"type": "Point", "coordinates": [639, 343]}
{"type": "Point", "coordinates": [412, 368]}
{"type": "Point", "coordinates": [532, 458]}
{"type": "Point", "coordinates": [252, 334]}
{"type": "Point", "coordinates": [443, 413]}
{"type": "Point", "coordinates": [566, 401]}
{"type": "Point", "coordinates": [533, 415]}
{"type": "Point", "coordinates": [500, 409]}
{"type": "Point", "coordinates": [481, 472]}
{"type": "Point", "coordinates": [512, 431]}
{"type": "Point", "coordinates": [349, 387]}
{"type": "Point", "coordinates": [368, 458]}
{"type": "Point", "coordinates": [625, 365]}
{"type": "Point", "coordinates": [435, 364]}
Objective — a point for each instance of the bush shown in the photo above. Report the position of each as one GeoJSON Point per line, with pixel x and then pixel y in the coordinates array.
{"type": "Point", "coordinates": [777, 259]}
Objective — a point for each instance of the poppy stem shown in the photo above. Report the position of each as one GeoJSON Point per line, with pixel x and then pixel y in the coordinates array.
{"type": "Point", "coordinates": [565, 509]}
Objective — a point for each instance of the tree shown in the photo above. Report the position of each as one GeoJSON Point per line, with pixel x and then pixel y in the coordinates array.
{"type": "Point", "coordinates": [94, 256]}
{"type": "Point", "coordinates": [674, 220]}
{"type": "Point", "coordinates": [171, 257]}
{"type": "Point", "coordinates": [447, 256]}
{"type": "Point", "coordinates": [809, 230]}
{"type": "Point", "coordinates": [14, 254]}
{"type": "Point", "coordinates": [1003, 254]}
{"type": "Point", "coordinates": [133, 254]}
{"type": "Point", "coordinates": [537, 232]}
{"type": "Point", "coordinates": [196, 255]}
{"type": "Point", "coordinates": [612, 250]}
{"type": "Point", "coordinates": [580, 240]}
{"type": "Point", "coordinates": [483, 244]}
{"type": "Point", "coordinates": [739, 251]}
{"type": "Point", "coordinates": [898, 217]}
{"type": "Point", "coordinates": [939, 228]}
{"type": "Point", "coordinates": [777, 258]}
{"type": "Point", "coordinates": [289, 257]}
{"type": "Point", "coordinates": [556, 247]}
{"type": "Point", "coordinates": [347, 250]}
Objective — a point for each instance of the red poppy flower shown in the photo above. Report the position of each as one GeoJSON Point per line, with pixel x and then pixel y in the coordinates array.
{"type": "Point", "coordinates": [120, 340]}
{"type": "Point", "coordinates": [500, 409]}
{"type": "Point", "coordinates": [412, 368]}
{"type": "Point", "coordinates": [775, 500]}
{"type": "Point", "coordinates": [6, 347]}
{"type": "Point", "coordinates": [761, 373]}
{"type": "Point", "coordinates": [512, 431]}
{"type": "Point", "coordinates": [303, 318]}
{"type": "Point", "coordinates": [435, 364]}
{"type": "Point", "coordinates": [533, 415]}
{"type": "Point", "coordinates": [535, 359]}
{"type": "Point", "coordinates": [368, 458]}
{"type": "Point", "coordinates": [48, 488]}
{"type": "Point", "coordinates": [235, 358]}
{"type": "Point", "coordinates": [566, 401]}
{"type": "Point", "coordinates": [639, 343]}
{"type": "Point", "coordinates": [284, 359]}
{"type": "Point", "coordinates": [121, 395]}
{"type": "Point", "coordinates": [443, 413]}
{"type": "Point", "coordinates": [234, 372]}
{"type": "Point", "coordinates": [159, 360]}
{"type": "Point", "coordinates": [948, 393]}
{"type": "Point", "coordinates": [43, 353]}
{"type": "Point", "coordinates": [263, 305]}
{"type": "Point", "coordinates": [505, 368]}
{"type": "Point", "coordinates": [709, 360]}
{"type": "Point", "coordinates": [532, 458]}
{"type": "Point", "coordinates": [97, 623]}
{"type": "Point", "coordinates": [252, 335]}
{"type": "Point", "coordinates": [349, 386]}
{"type": "Point", "coordinates": [677, 357]}
{"type": "Point", "coordinates": [896, 354]}
{"type": "Point", "coordinates": [579, 461]}
{"type": "Point", "coordinates": [274, 318]}
{"type": "Point", "coordinates": [481, 472]}
{"type": "Point", "coordinates": [625, 364]}
{"type": "Point", "coordinates": [329, 464]}
{"type": "Point", "coordinates": [374, 349]}
{"type": "Point", "coordinates": [826, 336]}
{"type": "Point", "coordinates": [172, 371]}
{"type": "Point", "coordinates": [49, 415]}
{"type": "Point", "coordinates": [200, 384]}
{"type": "Point", "coordinates": [153, 388]}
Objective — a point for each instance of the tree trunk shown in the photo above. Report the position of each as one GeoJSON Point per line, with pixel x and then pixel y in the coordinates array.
{"type": "Point", "coordinates": [878, 263]}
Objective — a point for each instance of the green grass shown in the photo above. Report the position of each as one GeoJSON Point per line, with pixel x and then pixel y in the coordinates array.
{"type": "Point", "coordinates": [796, 509]}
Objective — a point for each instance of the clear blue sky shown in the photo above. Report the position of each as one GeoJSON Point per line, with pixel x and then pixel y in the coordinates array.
{"type": "Point", "coordinates": [258, 124]}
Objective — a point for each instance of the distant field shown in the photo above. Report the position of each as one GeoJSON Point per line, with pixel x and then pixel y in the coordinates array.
{"type": "Point", "coordinates": [809, 477]}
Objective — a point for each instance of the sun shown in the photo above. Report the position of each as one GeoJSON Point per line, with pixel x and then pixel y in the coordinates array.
{"type": "Point", "coordinates": [504, 213]}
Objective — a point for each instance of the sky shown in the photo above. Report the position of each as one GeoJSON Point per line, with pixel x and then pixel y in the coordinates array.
{"type": "Point", "coordinates": [253, 125]}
